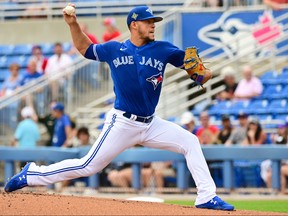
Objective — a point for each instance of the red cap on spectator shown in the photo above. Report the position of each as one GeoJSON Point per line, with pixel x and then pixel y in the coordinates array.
{"type": "Point", "coordinates": [109, 21]}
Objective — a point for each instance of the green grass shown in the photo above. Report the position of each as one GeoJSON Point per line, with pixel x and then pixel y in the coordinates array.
{"type": "Point", "coordinates": [257, 205]}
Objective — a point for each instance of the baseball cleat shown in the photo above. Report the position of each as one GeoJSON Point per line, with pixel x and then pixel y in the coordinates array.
{"type": "Point", "coordinates": [217, 204]}
{"type": "Point", "coordinates": [18, 181]}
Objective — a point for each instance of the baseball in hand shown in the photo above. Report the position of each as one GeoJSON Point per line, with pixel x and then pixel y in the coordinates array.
{"type": "Point", "coordinates": [69, 10]}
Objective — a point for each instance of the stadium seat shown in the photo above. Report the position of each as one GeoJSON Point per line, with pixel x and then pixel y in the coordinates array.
{"type": "Point", "coordinates": [47, 48]}
{"type": "Point", "coordinates": [21, 60]}
{"type": "Point", "coordinates": [272, 92]}
{"type": "Point", "coordinates": [23, 49]}
{"type": "Point", "coordinates": [3, 62]}
{"type": "Point", "coordinates": [237, 107]}
{"type": "Point", "coordinates": [6, 50]}
{"type": "Point", "coordinates": [278, 106]}
{"type": "Point", "coordinates": [283, 78]}
{"type": "Point", "coordinates": [270, 77]}
{"type": "Point", "coordinates": [257, 107]}
{"type": "Point", "coordinates": [220, 108]}
{"type": "Point", "coordinates": [284, 92]}
{"type": "Point", "coordinates": [3, 74]}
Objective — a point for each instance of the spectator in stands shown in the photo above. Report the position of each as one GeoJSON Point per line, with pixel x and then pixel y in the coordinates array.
{"type": "Point", "coordinates": [275, 4]}
{"type": "Point", "coordinates": [188, 122]}
{"type": "Point", "coordinates": [31, 74]}
{"type": "Point", "coordinates": [13, 81]}
{"type": "Point", "coordinates": [280, 138]}
{"type": "Point", "coordinates": [206, 133]}
{"type": "Point", "coordinates": [39, 58]}
{"type": "Point", "coordinates": [27, 132]}
{"type": "Point", "coordinates": [83, 137]}
{"type": "Point", "coordinates": [111, 30]}
{"type": "Point", "coordinates": [73, 51]}
{"type": "Point", "coordinates": [255, 135]}
{"type": "Point", "coordinates": [238, 134]}
{"type": "Point", "coordinates": [250, 86]}
{"type": "Point", "coordinates": [229, 82]}
{"type": "Point", "coordinates": [60, 62]}
{"type": "Point", "coordinates": [226, 130]}
{"type": "Point", "coordinates": [62, 130]}
{"type": "Point", "coordinates": [49, 122]}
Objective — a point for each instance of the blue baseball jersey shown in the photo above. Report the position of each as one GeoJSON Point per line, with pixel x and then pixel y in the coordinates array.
{"type": "Point", "coordinates": [137, 72]}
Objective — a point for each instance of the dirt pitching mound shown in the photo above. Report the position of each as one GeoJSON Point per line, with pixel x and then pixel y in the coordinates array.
{"type": "Point", "coordinates": [44, 204]}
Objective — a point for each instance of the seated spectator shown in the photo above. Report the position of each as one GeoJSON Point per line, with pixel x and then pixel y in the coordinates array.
{"type": "Point", "coordinates": [238, 134]}
{"type": "Point", "coordinates": [27, 132]}
{"type": "Point", "coordinates": [280, 138]}
{"type": "Point", "coordinates": [82, 138]}
{"type": "Point", "coordinates": [111, 30]}
{"type": "Point", "coordinates": [62, 135]}
{"type": "Point", "coordinates": [31, 73]}
{"type": "Point", "coordinates": [187, 121]}
{"type": "Point", "coordinates": [229, 82]}
{"type": "Point", "coordinates": [11, 82]}
{"type": "Point", "coordinates": [58, 63]}
{"type": "Point", "coordinates": [73, 51]}
{"type": "Point", "coordinates": [255, 135]}
{"type": "Point", "coordinates": [250, 86]}
{"type": "Point", "coordinates": [39, 58]}
{"type": "Point", "coordinates": [206, 133]}
{"type": "Point", "coordinates": [226, 130]}
{"type": "Point", "coordinates": [275, 4]}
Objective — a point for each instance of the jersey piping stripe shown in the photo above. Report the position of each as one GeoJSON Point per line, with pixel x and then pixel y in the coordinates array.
{"type": "Point", "coordinates": [86, 162]}
{"type": "Point", "coordinates": [95, 52]}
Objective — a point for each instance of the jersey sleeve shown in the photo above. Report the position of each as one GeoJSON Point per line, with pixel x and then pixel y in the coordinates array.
{"type": "Point", "coordinates": [100, 52]}
{"type": "Point", "coordinates": [176, 56]}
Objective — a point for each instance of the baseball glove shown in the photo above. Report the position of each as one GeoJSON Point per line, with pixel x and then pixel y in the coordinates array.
{"type": "Point", "coordinates": [194, 66]}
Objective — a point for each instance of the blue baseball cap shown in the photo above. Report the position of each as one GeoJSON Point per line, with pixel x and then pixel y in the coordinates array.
{"type": "Point", "coordinates": [58, 107]}
{"type": "Point", "coordinates": [141, 13]}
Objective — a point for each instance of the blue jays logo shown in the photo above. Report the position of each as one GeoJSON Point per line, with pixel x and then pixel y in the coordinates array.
{"type": "Point", "coordinates": [238, 36]}
{"type": "Point", "coordinates": [155, 80]}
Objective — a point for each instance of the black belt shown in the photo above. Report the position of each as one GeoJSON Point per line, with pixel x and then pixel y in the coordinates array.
{"type": "Point", "coordinates": [138, 118]}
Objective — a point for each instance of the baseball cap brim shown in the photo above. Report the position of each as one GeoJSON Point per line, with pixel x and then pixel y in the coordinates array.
{"type": "Point", "coordinates": [156, 18]}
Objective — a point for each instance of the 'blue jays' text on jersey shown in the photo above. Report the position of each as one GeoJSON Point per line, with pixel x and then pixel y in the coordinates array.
{"type": "Point", "coordinates": [137, 72]}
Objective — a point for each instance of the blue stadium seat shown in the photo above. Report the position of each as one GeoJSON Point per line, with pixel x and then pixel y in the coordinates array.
{"type": "Point", "coordinates": [23, 49]}
{"type": "Point", "coordinates": [278, 106]}
{"type": "Point", "coordinates": [272, 92]}
{"type": "Point", "coordinates": [21, 60]}
{"type": "Point", "coordinates": [3, 74]}
{"type": "Point", "coordinates": [238, 106]}
{"type": "Point", "coordinates": [281, 117]}
{"type": "Point", "coordinates": [270, 77]}
{"type": "Point", "coordinates": [220, 108]}
{"type": "Point", "coordinates": [66, 46]}
{"type": "Point", "coordinates": [6, 49]}
{"type": "Point", "coordinates": [3, 62]}
{"type": "Point", "coordinates": [284, 92]}
{"type": "Point", "coordinates": [257, 107]}
{"type": "Point", "coordinates": [47, 48]}
{"type": "Point", "coordinates": [283, 78]}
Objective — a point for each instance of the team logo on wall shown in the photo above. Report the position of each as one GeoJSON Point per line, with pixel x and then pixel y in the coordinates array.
{"type": "Point", "coordinates": [155, 80]}
{"type": "Point", "coordinates": [238, 38]}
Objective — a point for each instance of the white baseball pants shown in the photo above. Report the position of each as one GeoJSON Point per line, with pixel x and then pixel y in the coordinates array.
{"type": "Point", "coordinates": [120, 133]}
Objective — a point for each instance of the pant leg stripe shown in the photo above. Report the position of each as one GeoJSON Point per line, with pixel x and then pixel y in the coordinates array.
{"type": "Point", "coordinates": [86, 162]}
